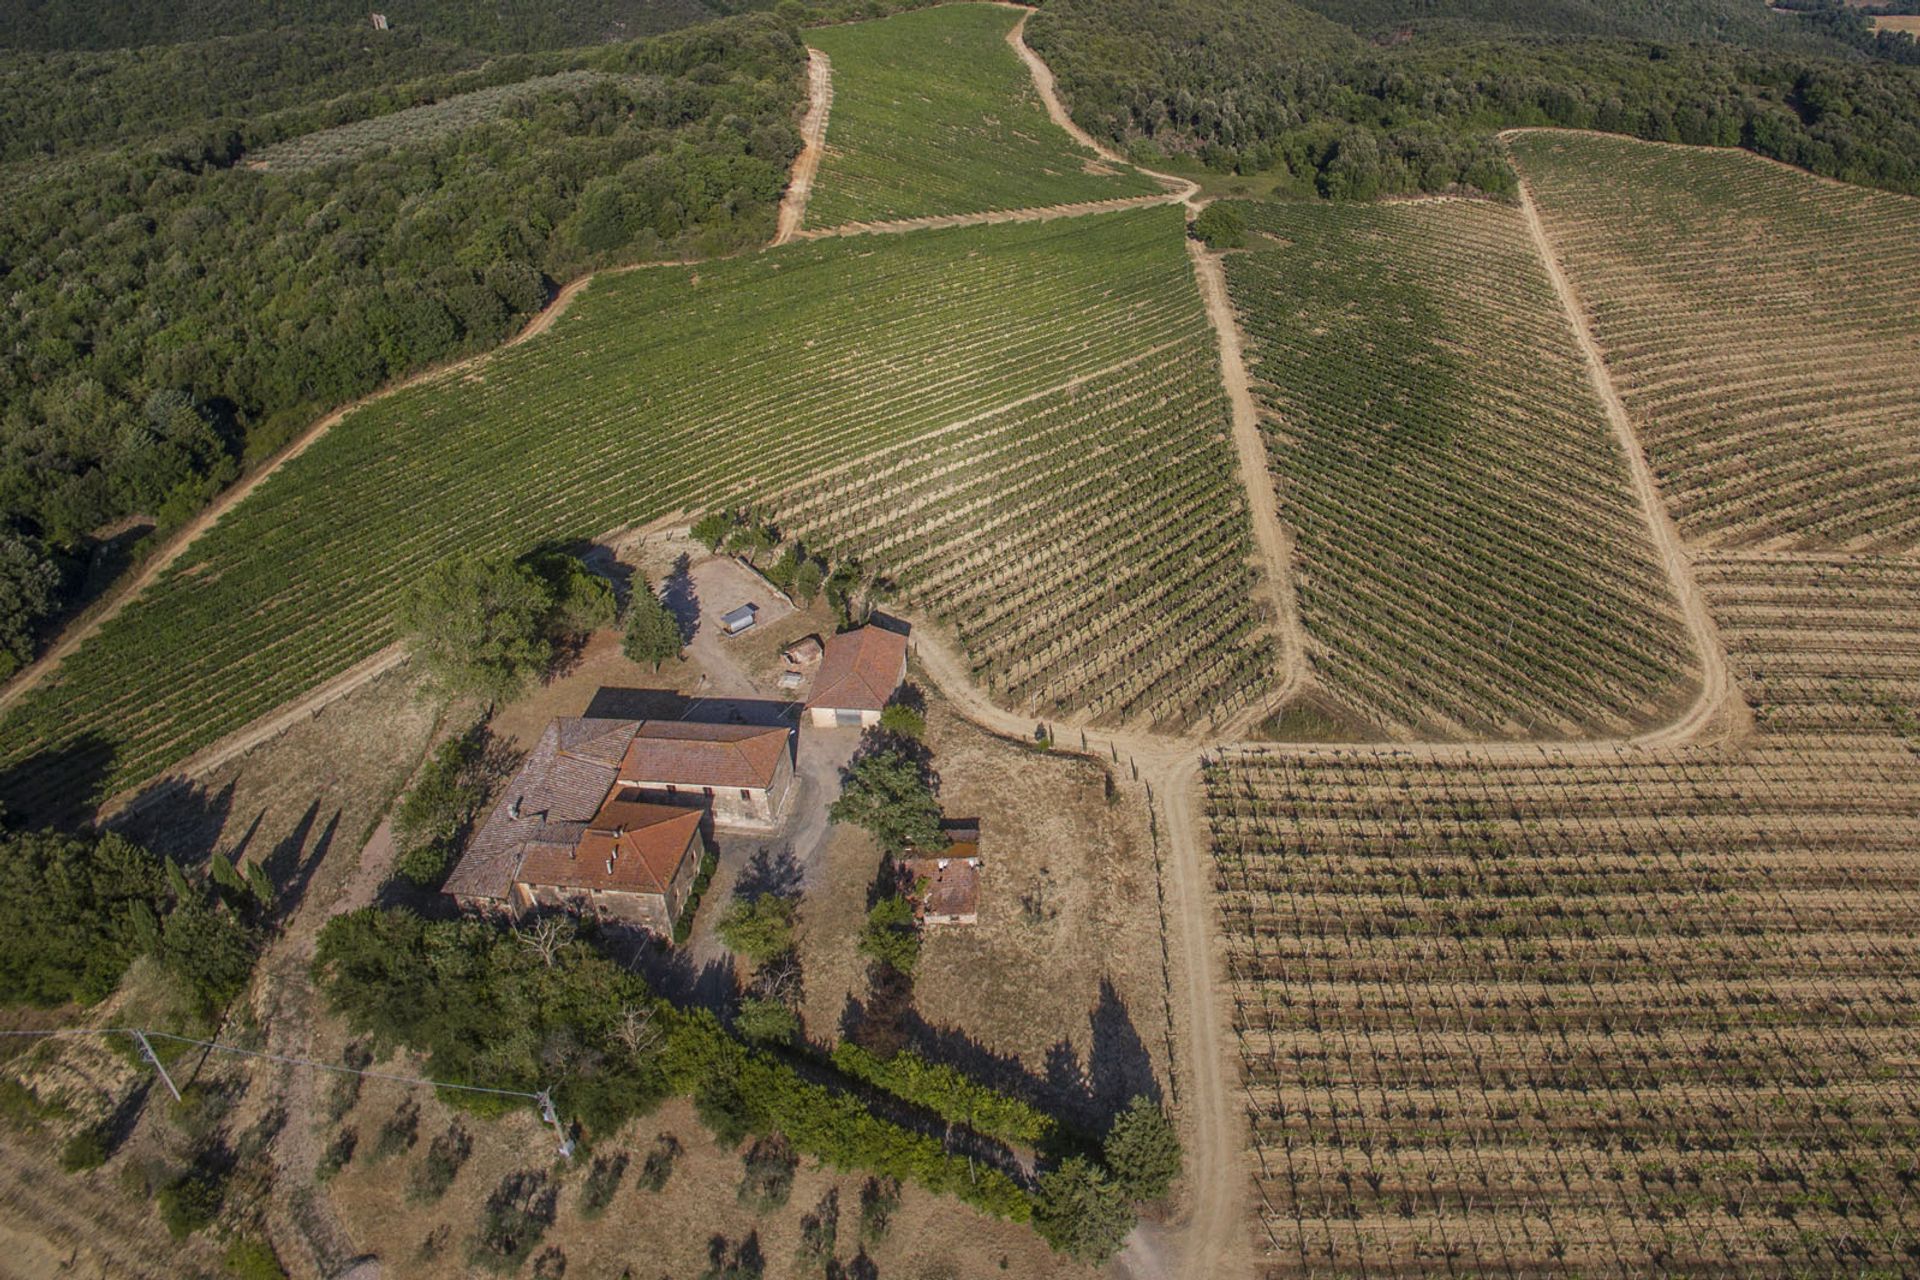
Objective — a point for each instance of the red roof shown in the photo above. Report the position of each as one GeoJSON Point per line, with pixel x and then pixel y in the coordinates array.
{"type": "Point", "coordinates": [704, 755]}
{"type": "Point", "coordinates": [861, 670]}
{"type": "Point", "coordinates": [952, 881]}
{"type": "Point", "coordinates": [629, 847]}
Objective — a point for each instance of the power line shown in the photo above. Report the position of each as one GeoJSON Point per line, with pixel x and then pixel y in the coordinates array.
{"type": "Point", "coordinates": [542, 1098]}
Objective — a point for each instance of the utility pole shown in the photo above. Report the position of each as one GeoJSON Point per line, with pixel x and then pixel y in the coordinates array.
{"type": "Point", "coordinates": [154, 1058]}
{"type": "Point", "coordinates": [552, 1117]}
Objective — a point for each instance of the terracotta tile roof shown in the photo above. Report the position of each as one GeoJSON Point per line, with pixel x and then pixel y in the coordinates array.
{"type": "Point", "coordinates": [861, 670]}
{"type": "Point", "coordinates": [704, 755]}
{"type": "Point", "coordinates": [629, 847]}
{"type": "Point", "coordinates": [952, 889]}
{"type": "Point", "coordinates": [560, 785]}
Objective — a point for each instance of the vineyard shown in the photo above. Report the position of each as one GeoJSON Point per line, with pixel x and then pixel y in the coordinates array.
{"type": "Point", "coordinates": [1575, 1012]}
{"type": "Point", "coordinates": [1763, 328]}
{"type": "Point", "coordinates": [417, 125]}
{"type": "Point", "coordinates": [934, 114]}
{"type": "Point", "coordinates": [670, 389]}
{"type": "Point", "coordinates": [1090, 546]}
{"type": "Point", "coordinates": [1471, 558]}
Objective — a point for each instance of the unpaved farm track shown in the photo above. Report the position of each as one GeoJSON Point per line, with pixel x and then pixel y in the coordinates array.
{"type": "Point", "coordinates": [813, 132]}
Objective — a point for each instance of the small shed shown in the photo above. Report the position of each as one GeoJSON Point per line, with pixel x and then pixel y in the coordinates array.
{"type": "Point", "coordinates": [805, 651]}
{"type": "Point", "coordinates": [946, 889]}
{"type": "Point", "coordinates": [739, 619]}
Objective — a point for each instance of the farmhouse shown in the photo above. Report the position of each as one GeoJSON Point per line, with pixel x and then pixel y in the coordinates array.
{"type": "Point", "coordinates": [607, 816]}
{"type": "Point", "coordinates": [860, 673]}
{"type": "Point", "coordinates": [566, 835]}
{"type": "Point", "coordinates": [741, 773]}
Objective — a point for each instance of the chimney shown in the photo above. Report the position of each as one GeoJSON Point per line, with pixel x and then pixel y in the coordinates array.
{"type": "Point", "coordinates": [609, 866]}
{"type": "Point", "coordinates": [513, 810]}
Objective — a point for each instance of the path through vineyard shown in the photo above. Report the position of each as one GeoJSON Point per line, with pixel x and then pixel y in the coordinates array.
{"type": "Point", "coordinates": [813, 132]}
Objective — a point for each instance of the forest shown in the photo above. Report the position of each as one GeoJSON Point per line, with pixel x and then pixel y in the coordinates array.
{"type": "Point", "coordinates": [1415, 109]}
{"type": "Point", "coordinates": [176, 311]}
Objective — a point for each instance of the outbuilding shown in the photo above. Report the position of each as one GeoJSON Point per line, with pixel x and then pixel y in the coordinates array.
{"type": "Point", "coordinates": [739, 620]}
{"type": "Point", "coordinates": [859, 675]}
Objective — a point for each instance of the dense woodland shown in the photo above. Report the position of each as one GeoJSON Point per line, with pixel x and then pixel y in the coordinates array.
{"type": "Point", "coordinates": [174, 312]}
{"type": "Point", "coordinates": [1250, 89]}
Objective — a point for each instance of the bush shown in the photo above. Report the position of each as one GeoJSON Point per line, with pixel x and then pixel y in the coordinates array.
{"type": "Point", "coordinates": [516, 1217]}
{"type": "Point", "coordinates": [253, 1260]}
{"type": "Point", "coordinates": [892, 935]}
{"type": "Point", "coordinates": [338, 1155]}
{"type": "Point", "coordinates": [446, 1155]}
{"type": "Point", "coordinates": [658, 1166]}
{"type": "Point", "coordinates": [85, 1150]}
{"type": "Point", "coordinates": [904, 721]}
{"type": "Point", "coordinates": [724, 1110]}
{"type": "Point", "coordinates": [398, 1134]}
{"type": "Point", "coordinates": [445, 798]}
{"type": "Point", "coordinates": [1221, 227]}
{"type": "Point", "coordinates": [768, 1183]}
{"type": "Point", "coordinates": [603, 1180]}
{"type": "Point", "coordinates": [191, 1202]}
{"type": "Point", "coordinates": [758, 928]}
{"type": "Point", "coordinates": [820, 1232]}
{"type": "Point", "coordinates": [1143, 1151]}
{"type": "Point", "coordinates": [766, 1021]}
{"type": "Point", "coordinates": [711, 530]}
{"type": "Point", "coordinates": [425, 865]}
{"type": "Point", "coordinates": [948, 1093]}
{"type": "Point", "coordinates": [683, 927]}
{"type": "Point", "coordinates": [879, 1197]}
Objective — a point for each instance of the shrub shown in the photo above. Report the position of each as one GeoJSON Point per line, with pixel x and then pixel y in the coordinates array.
{"type": "Point", "coordinates": [948, 1093]}
{"type": "Point", "coordinates": [711, 530]}
{"type": "Point", "coordinates": [1143, 1151]}
{"type": "Point", "coordinates": [191, 1202]}
{"type": "Point", "coordinates": [758, 928]}
{"type": "Point", "coordinates": [903, 720]}
{"type": "Point", "coordinates": [85, 1150]}
{"type": "Point", "coordinates": [683, 927]}
{"type": "Point", "coordinates": [398, 1134]}
{"type": "Point", "coordinates": [445, 1156]}
{"type": "Point", "coordinates": [250, 1259]}
{"type": "Point", "coordinates": [516, 1217]}
{"type": "Point", "coordinates": [724, 1110]}
{"type": "Point", "coordinates": [768, 1183]}
{"type": "Point", "coordinates": [879, 1197]}
{"type": "Point", "coordinates": [338, 1155]}
{"type": "Point", "coordinates": [892, 935]}
{"type": "Point", "coordinates": [767, 1021]}
{"type": "Point", "coordinates": [603, 1180]}
{"type": "Point", "coordinates": [425, 865]}
{"type": "Point", "coordinates": [446, 796]}
{"type": "Point", "coordinates": [1221, 226]}
{"type": "Point", "coordinates": [658, 1166]}
{"type": "Point", "coordinates": [819, 1231]}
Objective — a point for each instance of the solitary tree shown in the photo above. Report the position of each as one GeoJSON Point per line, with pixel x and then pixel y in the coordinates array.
{"type": "Point", "coordinates": [1221, 227]}
{"type": "Point", "coordinates": [478, 625]}
{"type": "Point", "coordinates": [1143, 1151]}
{"type": "Point", "coordinates": [653, 633]}
{"type": "Point", "coordinates": [758, 928]}
{"type": "Point", "coordinates": [892, 936]}
{"type": "Point", "coordinates": [1080, 1212]}
{"type": "Point", "coordinates": [887, 792]}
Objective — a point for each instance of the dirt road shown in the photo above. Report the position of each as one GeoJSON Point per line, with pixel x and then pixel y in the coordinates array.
{"type": "Point", "coordinates": [1719, 700]}
{"type": "Point", "coordinates": [1271, 539]}
{"type": "Point", "coordinates": [813, 132]}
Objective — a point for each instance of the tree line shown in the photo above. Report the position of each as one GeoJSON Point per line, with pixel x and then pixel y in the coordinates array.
{"type": "Point", "coordinates": [1280, 89]}
{"type": "Point", "coordinates": [174, 313]}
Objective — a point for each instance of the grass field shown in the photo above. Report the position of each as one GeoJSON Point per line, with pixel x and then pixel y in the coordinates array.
{"type": "Point", "coordinates": [1627, 1016]}
{"type": "Point", "coordinates": [1763, 327]}
{"type": "Point", "coordinates": [933, 114]}
{"type": "Point", "coordinates": [663, 390]}
{"type": "Point", "coordinates": [1471, 559]}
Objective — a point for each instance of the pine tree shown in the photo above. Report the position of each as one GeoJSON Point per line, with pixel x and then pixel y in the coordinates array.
{"type": "Point", "coordinates": [1143, 1151]}
{"type": "Point", "coordinates": [653, 633]}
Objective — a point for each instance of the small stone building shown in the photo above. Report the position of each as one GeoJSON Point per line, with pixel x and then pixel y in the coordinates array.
{"type": "Point", "coordinates": [945, 888]}
{"type": "Point", "coordinates": [859, 675]}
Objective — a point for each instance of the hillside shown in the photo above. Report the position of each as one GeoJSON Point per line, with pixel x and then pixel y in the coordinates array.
{"type": "Point", "coordinates": [1763, 328]}
{"type": "Point", "coordinates": [933, 114]}
{"type": "Point", "coordinates": [1471, 558]}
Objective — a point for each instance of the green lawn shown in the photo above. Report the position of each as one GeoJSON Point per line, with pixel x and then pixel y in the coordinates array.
{"type": "Point", "coordinates": [933, 113]}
